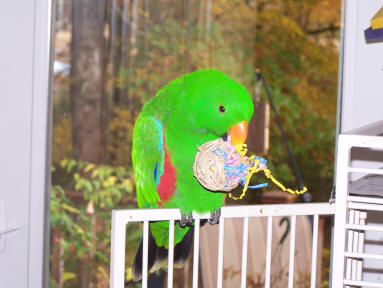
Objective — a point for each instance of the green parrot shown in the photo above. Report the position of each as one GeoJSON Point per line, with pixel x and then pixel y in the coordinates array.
{"type": "Point", "coordinates": [189, 111]}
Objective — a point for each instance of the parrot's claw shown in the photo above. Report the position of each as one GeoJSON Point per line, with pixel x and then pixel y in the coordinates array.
{"type": "Point", "coordinates": [186, 220]}
{"type": "Point", "coordinates": [214, 217]}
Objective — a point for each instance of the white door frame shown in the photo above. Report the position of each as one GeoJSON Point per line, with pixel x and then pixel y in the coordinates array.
{"type": "Point", "coordinates": [25, 49]}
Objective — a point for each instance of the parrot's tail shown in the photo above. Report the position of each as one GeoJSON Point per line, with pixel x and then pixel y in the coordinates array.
{"type": "Point", "coordinates": [157, 256]}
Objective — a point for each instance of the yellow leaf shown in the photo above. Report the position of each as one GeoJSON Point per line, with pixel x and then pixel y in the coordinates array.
{"type": "Point", "coordinates": [95, 173]}
{"type": "Point", "coordinates": [103, 272]}
{"type": "Point", "coordinates": [68, 276]}
{"type": "Point", "coordinates": [129, 274]}
{"type": "Point", "coordinates": [126, 182]}
{"type": "Point", "coordinates": [79, 230]}
{"type": "Point", "coordinates": [64, 162]}
{"type": "Point", "coordinates": [110, 181]}
{"type": "Point", "coordinates": [89, 167]}
{"type": "Point", "coordinates": [70, 208]}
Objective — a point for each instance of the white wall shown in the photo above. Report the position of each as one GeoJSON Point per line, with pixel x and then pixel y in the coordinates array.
{"type": "Point", "coordinates": [362, 97]}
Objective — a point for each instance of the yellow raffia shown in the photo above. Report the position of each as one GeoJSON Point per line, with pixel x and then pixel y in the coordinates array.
{"type": "Point", "coordinates": [242, 150]}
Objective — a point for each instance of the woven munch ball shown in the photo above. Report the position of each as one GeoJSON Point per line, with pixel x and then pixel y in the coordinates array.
{"type": "Point", "coordinates": [210, 163]}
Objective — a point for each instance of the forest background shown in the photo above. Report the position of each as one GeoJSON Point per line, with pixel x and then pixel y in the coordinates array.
{"type": "Point", "coordinates": [111, 56]}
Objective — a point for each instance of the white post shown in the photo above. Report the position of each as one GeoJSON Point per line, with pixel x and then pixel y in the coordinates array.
{"type": "Point", "coordinates": [145, 242]}
{"type": "Point", "coordinates": [220, 252]}
{"type": "Point", "coordinates": [355, 246]}
{"type": "Point", "coordinates": [268, 250]}
{"type": "Point", "coordinates": [117, 257]}
{"type": "Point", "coordinates": [292, 251]}
{"type": "Point", "coordinates": [244, 251]}
{"type": "Point", "coordinates": [363, 216]}
{"type": "Point", "coordinates": [170, 253]}
{"type": "Point", "coordinates": [196, 253]}
{"type": "Point", "coordinates": [350, 236]}
{"type": "Point", "coordinates": [343, 160]}
{"type": "Point", "coordinates": [314, 251]}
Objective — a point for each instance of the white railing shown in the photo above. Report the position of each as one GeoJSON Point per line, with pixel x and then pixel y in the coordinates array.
{"type": "Point", "coordinates": [120, 218]}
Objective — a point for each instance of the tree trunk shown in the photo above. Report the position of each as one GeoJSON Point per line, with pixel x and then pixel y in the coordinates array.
{"type": "Point", "coordinates": [88, 102]}
{"type": "Point", "coordinates": [121, 24]}
{"type": "Point", "coordinates": [87, 73]}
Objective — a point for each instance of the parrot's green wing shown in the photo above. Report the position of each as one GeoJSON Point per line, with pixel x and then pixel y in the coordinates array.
{"type": "Point", "coordinates": [147, 156]}
{"type": "Point", "coordinates": [154, 174]}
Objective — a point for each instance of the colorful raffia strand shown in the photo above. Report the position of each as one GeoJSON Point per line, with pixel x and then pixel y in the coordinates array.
{"type": "Point", "coordinates": [253, 163]}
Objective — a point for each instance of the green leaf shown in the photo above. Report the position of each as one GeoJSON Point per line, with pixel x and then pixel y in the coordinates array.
{"type": "Point", "coordinates": [96, 184]}
{"type": "Point", "coordinates": [88, 186]}
{"type": "Point", "coordinates": [71, 164]}
{"type": "Point", "coordinates": [79, 184]}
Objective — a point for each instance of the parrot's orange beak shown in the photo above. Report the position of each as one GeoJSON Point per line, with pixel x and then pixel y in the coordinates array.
{"type": "Point", "coordinates": [238, 133]}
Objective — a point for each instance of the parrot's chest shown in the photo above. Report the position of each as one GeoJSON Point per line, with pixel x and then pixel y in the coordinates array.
{"type": "Point", "coordinates": [189, 194]}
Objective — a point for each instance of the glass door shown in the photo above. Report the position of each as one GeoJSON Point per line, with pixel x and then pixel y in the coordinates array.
{"type": "Point", "coordinates": [112, 56]}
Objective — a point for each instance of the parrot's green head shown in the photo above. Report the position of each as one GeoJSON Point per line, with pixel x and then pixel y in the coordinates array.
{"type": "Point", "coordinates": [217, 104]}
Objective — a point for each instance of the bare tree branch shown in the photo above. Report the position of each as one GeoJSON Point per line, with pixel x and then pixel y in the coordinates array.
{"type": "Point", "coordinates": [331, 28]}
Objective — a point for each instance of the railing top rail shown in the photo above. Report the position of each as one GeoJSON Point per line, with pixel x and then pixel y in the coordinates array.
{"type": "Point", "coordinates": [240, 211]}
{"type": "Point", "coordinates": [350, 140]}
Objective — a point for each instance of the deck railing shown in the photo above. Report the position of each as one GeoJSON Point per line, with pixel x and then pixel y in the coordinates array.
{"type": "Point", "coordinates": [120, 218]}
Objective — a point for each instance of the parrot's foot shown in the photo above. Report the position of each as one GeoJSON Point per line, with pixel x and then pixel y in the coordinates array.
{"type": "Point", "coordinates": [186, 220]}
{"type": "Point", "coordinates": [214, 217]}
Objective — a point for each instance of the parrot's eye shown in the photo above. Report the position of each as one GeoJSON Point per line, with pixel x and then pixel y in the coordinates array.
{"type": "Point", "coordinates": [221, 109]}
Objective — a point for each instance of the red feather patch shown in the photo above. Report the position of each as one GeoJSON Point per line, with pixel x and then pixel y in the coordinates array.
{"type": "Point", "coordinates": [167, 183]}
